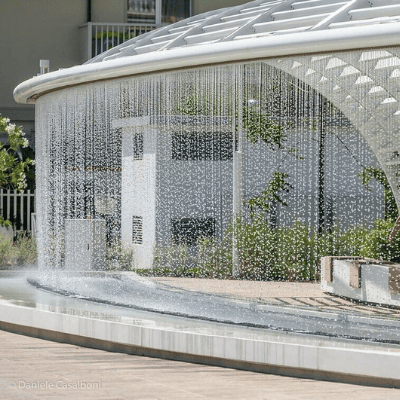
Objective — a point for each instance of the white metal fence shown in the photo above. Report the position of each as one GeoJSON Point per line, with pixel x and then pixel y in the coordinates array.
{"type": "Point", "coordinates": [102, 37]}
{"type": "Point", "coordinates": [18, 208]}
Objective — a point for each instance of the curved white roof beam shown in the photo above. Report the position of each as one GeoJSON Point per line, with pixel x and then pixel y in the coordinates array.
{"type": "Point", "coordinates": [371, 110]}
{"type": "Point", "coordinates": [257, 30]}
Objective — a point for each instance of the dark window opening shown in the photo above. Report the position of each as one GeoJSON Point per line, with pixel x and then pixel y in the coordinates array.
{"type": "Point", "coordinates": [175, 10]}
{"type": "Point", "coordinates": [189, 230]}
{"type": "Point", "coordinates": [138, 146]}
{"type": "Point", "coordinates": [137, 230]}
{"type": "Point", "coordinates": [202, 146]}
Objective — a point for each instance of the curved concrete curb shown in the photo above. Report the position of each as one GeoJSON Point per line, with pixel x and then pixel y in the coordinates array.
{"type": "Point", "coordinates": [370, 364]}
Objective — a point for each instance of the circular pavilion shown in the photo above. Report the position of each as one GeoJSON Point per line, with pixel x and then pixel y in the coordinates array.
{"type": "Point", "coordinates": [166, 137]}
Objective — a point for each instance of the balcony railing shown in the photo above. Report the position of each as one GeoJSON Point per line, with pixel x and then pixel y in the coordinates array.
{"type": "Point", "coordinates": [18, 208]}
{"type": "Point", "coordinates": [102, 36]}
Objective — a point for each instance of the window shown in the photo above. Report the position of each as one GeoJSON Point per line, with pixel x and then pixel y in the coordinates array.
{"type": "Point", "coordinates": [189, 230]}
{"type": "Point", "coordinates": [137, 230]}
{"type": "Point", "coordinates": [138, 146]}
{"type": "Point", "coordinates": [201, 146]}
{"type": "Point", "coordinates": [142, 11]}
{"type": "Point", "coordinates": [149, 11]}
{"type": "Point", "coordinates": [175, 10]}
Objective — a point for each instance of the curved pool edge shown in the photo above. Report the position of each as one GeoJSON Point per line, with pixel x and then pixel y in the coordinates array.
{"type": "Point", "coordinates": [372, 366]}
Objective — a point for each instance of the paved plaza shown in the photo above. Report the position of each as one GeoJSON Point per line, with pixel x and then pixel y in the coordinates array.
{"type": "Point", "coordinates": [38, 369]}
{"type": "Point", "coordinates": [63, 371]}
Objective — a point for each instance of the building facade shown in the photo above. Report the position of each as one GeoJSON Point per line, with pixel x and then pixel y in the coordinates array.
{"type": "Point", "coordinates": [71, 32]}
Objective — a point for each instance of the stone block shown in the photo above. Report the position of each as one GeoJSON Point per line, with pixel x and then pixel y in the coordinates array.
{"type": "Point", "coordinates": [327, 265]}
{"type": "Point", "coordinates": [355, 274]}
{"type": "Point", "coordinates": [394, 279]}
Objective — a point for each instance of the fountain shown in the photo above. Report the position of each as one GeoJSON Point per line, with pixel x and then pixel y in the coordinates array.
{"type": "Point", "coordinates": [176, 139]}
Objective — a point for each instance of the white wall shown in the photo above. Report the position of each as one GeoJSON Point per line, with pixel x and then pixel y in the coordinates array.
{"type": "Point", "coordinates": [160, 189]}
{"type": "Point", "coordinates": [138, 194]}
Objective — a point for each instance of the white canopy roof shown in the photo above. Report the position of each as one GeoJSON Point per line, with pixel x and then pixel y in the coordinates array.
{"type": "Point", "coordinates": [256, 30]}
{"type": "Point", "coordinates": [260, 18]}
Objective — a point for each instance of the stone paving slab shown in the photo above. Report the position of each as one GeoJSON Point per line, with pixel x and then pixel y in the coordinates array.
{"type": "Point", "coordinates": [63, 371]}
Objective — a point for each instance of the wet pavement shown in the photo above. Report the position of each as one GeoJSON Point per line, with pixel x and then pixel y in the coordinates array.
{"type": "Point", "coordinates": [303, 295]}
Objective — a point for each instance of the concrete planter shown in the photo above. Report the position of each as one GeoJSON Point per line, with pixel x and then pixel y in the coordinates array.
{"type": "Point", "coordinates": [357, 279]}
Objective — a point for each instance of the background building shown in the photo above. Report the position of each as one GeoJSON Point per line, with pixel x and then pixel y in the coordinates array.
{"type": "Point", "coordinates": [70, 32]}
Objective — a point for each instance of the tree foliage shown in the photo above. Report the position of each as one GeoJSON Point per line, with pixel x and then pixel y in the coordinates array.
{"type": "Point", "coordinates": [369, 173]}
{"type": "Point", "coordinates": [13, 168]}
{"type": "Point", "coordinates": [273, 192]}
{"type": "Point", "coordinates": [260, 126]}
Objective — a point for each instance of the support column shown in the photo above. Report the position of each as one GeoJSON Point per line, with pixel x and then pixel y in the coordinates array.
{"type": "Point", "coordinates": [321, 166]}
{"type": "Point", "coordinates": [237, 169]}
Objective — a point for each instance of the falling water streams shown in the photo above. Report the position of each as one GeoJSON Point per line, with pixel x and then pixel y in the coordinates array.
{"type": "Point", "coordinates": [165, 169]}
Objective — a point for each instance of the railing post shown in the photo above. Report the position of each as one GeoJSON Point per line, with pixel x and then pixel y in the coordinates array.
{"type": "Point", "coordinates": [33, 227]}
{"type": "Point", "coordinates": [8, 204]}
{"type": "Point", "coordinates": [28, 212]}
{"type": "Point", "coordinates": [158, 13]}
{"type": "Point", "coordinates": [90, 33]}
{"type": "Point", "coordinates": [21, 203]}
{"type": "Point", "coordinates": [15, 209]}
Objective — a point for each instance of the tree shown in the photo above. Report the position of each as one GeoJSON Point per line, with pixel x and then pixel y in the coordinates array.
{"type": "Point", "coordinates": [13, 168]}
{"type": "Point", "coordinates": [259, 126]}
{"type": "Point", "coordinates": [276, 186]}
{"type": "Point", "coordinates": [369, 173]}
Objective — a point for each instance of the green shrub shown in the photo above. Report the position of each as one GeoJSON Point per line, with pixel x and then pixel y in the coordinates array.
{"type": "Point", "coordinates": [264, 253]}
{"type": "Point", "coordinates": [21, 252]}
{"type": "Point", "coordinates": [172, 257]}
{"type": "Point", "coordinates": [210, 259]}
{"type": "Point", "coordinates": [375, 242]}
{"type": "Point", "coordinates": [214, 259]}
{"type": "Point", "coordinates": [294, 249]}
{"type": "Point", "coordinates": [119, 258]}
{"type": "Point", "coordinates": [282, 253]}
